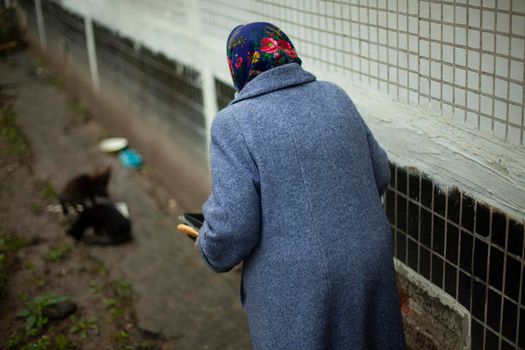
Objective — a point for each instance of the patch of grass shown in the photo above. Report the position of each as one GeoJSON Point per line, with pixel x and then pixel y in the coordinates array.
{"type": "Point", "coordinates": [37, 208]}
{"type": "Point", "coordinates": [146, 345]}
{"type": "Point", "coordinates": [47, 191]}
{"type": "Point", "coordinates": [34, 311]}
{"type": "Point", "coordinates": [11, 243]}
{"type": "Point", "coordinates": [37, 281]}
{"type": "Point", "coordinates": [46, 195]}
{"type": "Point", "coordinates": [123, 290]}
{"type": "Point", "coordinates": [121, 341]}
{"type": "Point", "coordinates": [17, 144]}
{"type": "Point", "coordinates": [56, 82]}
{"type": "Point", "coordinates": [63, 342]}
{"type": "Point", "coordinates": [42, 343]}
{"type": "Point", "coordinates": [102, 269]}
{"type": "Point", "coordinates": [110, 302]}
{"type": "Point", "coordinates": [15, 341]}
{"type": "Point", "coordinates": [40, 61]}
{"type": "Point", "coordinates": [94, 288]}
{"type": "Point", "coordinates": [58, 252]}
{"type": "Point", "coordinates": [75, 105]}
{"type": "Point", "coordinates": [114, 307]}
{"type": "Point", "coordinates": [83, 326]}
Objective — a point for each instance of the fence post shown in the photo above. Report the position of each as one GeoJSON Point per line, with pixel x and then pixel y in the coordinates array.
{"type": "Point", "coordinates": [92, 53]}
{"type": "Point", "coordinates": [40, 22]}
{"type": "Point", "coordinates": [209, 98]}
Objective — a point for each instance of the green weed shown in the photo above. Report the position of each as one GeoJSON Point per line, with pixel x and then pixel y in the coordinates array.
{"type": "Point", "coordinates": [121, 341]}
{"type": "Point", "coordinates": [94, 288]}
{"type": "Point", "coordinates": [83, 326]}
{"type": "Point", "coordinates": [63, 342]}
{"type": "Point", "coordinates": [123, 290]}
{"type": "Point", "coordinates": [47, 191]}
{"type": "Point", "coordinates": [114, 306]}
{"type": "Point", "coordinates": [146, 345]}
{"type": "Point", "coordinates": [56, 82]}
{"type": "Point", "coordinates": [11, 243]}
{"type": "Point", "coordinates": [40, 61]}
{"type": "Point", "coordinates": [110, 302]}
{"type": "Point", "coordinates": [122, 299]}
{"type": "Point", "coordinates": [17, 143]}
{"type": "Point", "coordinates": [37, 208]}
{"type": "Point", "coordinates": [37, 281]}
{"type": "Point", "coordinates": [15, 341]}
{"type": "Point", "coordinates": [43, 343]}
{"type": "Point", "coordinates": [122, 335]}
{"type": "Point", "coordinates": [34, 310]}
{"type": "Point", "coordinates": [58, 252]}
{"type": "Point", "coordinates": [102, 269]}
{"type": "Point", "coordinates": [77, 106]}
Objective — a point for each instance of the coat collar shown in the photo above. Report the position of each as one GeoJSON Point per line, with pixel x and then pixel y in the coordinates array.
{"type": "Point", "coordinates": [274, 79]}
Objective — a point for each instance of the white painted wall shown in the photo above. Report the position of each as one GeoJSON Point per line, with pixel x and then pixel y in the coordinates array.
{"type": "Point", "coordinates": [461, 60]}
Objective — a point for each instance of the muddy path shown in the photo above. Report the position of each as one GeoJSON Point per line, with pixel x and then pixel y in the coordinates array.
{"type": "Point", "coordinates": [177, 302]}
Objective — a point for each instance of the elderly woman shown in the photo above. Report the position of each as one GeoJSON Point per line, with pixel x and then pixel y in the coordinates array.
{"type": "Point", "coordinates": [297, 180]}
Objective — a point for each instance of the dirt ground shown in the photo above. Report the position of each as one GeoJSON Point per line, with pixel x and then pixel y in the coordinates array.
{"type": "Point", "coordinates": [152, 293]}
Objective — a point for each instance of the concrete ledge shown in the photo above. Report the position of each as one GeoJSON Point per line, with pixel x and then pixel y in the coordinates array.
{"type": "Point", "coordinates": [476, 162]}
{"type": "Point", "coordinates": [432, 318]}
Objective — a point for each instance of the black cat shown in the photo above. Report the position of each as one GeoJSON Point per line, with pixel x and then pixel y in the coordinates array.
{"type": "Point", "coordinates": [83, 190]}
{"type": "Point", "coordinates": [107, 222]}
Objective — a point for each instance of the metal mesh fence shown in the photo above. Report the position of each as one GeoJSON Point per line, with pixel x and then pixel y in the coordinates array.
{"type": "Point", "coordinates": [65, 36]}
{"type": "Point", "coordinates": [159, 86]}
{"type": "Point", "coordinates": [28, 8]}
{"type": "Point", "coordinates": [225, 93]}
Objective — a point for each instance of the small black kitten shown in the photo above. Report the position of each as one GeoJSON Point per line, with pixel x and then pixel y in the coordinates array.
{"type": "Point", "coordinates": [84, 189]}
{"type": "Point", "coordinates": [107, 222]}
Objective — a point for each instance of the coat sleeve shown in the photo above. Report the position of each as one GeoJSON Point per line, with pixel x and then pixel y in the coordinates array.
{"type": "Point", "coordinates": [379, 162]}
{"type": "Point", "coordinates": [232, 212]}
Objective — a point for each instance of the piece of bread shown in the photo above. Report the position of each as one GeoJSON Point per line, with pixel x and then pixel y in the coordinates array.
{"type": "Point", "coordinates": [187, 230]}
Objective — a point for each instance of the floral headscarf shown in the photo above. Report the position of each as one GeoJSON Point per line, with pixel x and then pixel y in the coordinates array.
{"type": "Point", "coordinates": [257, 47]}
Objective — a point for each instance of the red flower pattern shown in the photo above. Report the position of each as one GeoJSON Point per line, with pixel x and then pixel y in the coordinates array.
{"type": "Point", "coordinates": [254, 50]}
{"type": "Point", "coordinates": [238, 63]}
{"type": "Point", "coordinates": [269, 45]}
{"type": "Point", "coordinates": [287, 48]}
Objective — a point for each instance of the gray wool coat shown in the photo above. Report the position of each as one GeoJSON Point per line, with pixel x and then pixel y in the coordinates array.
{"type": "Point", "coordinates": [297, 179]}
